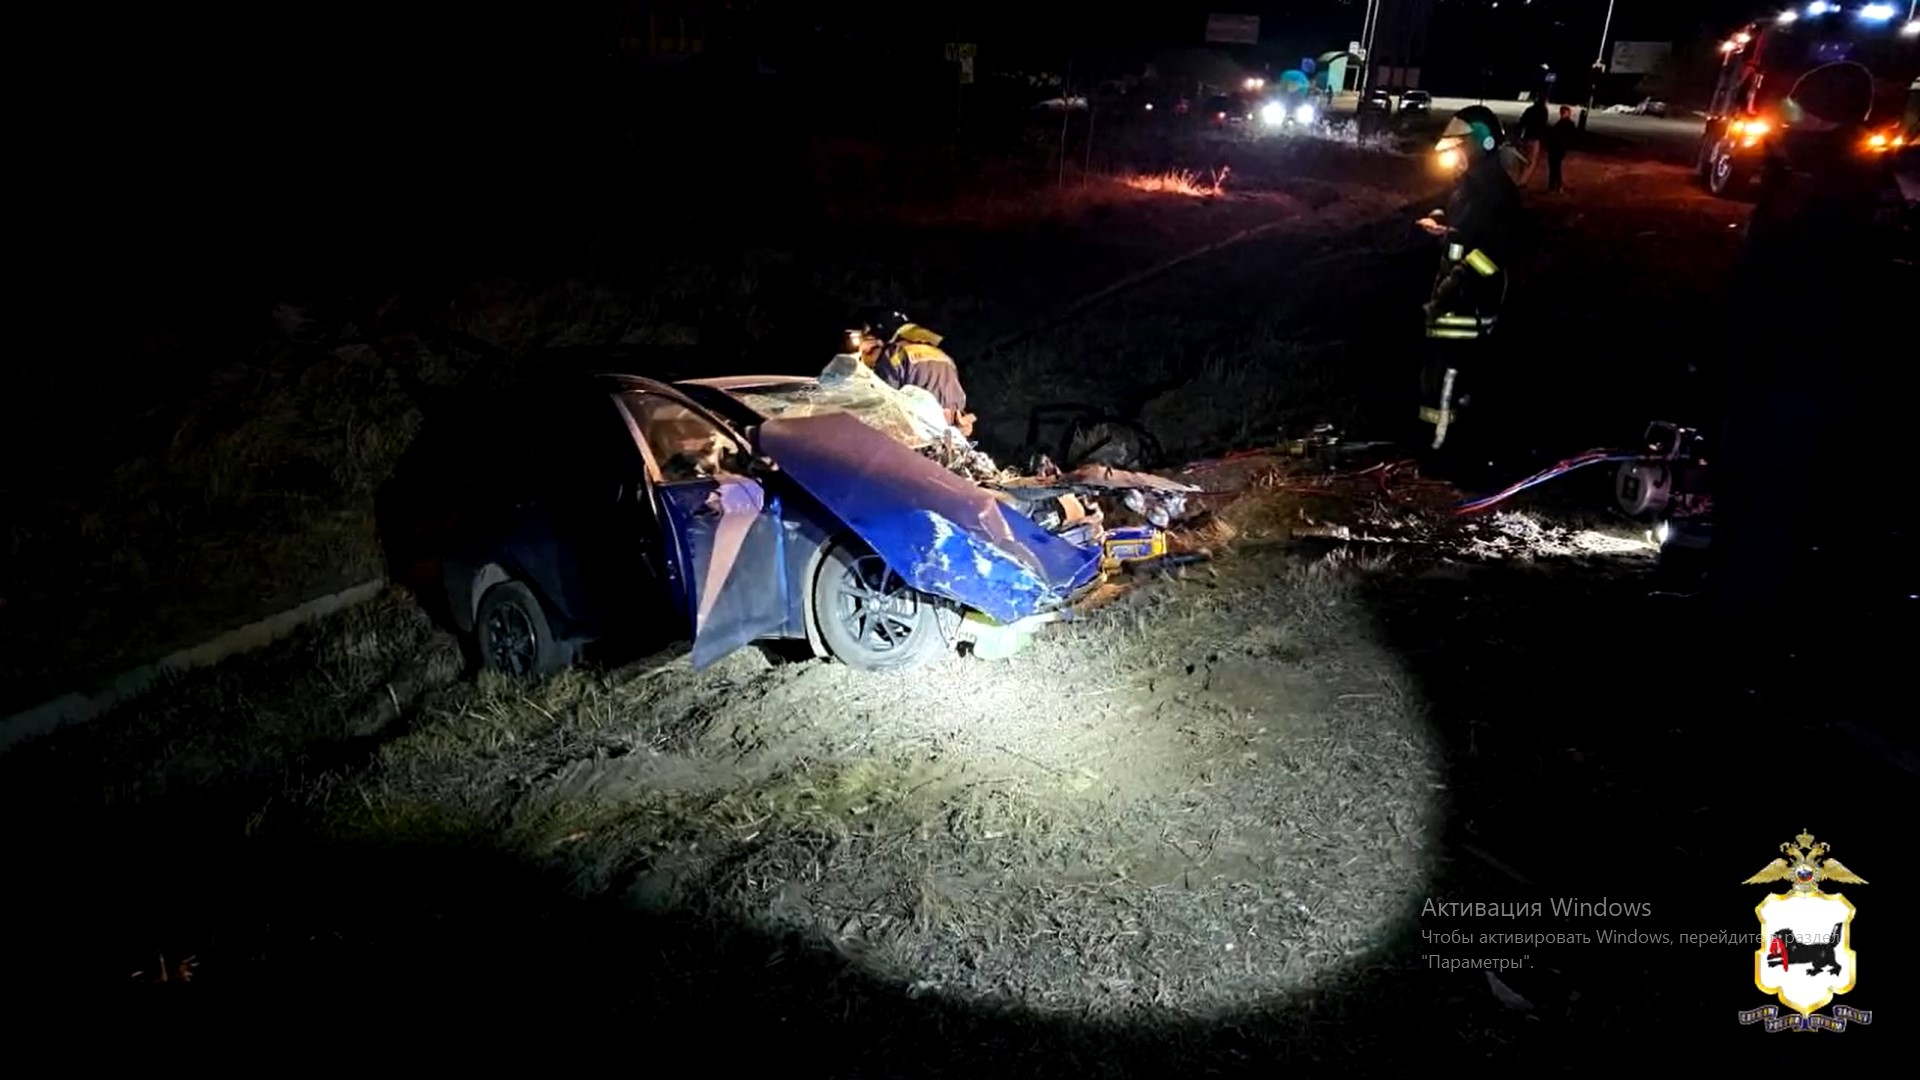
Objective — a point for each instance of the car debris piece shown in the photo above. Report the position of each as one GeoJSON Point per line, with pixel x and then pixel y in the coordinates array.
{"type": "Point", "coordinates": [1159, 500]}
{"type": "Point", "coordinates": [989, 639]}
{"type": "Point", "coordinates": [1505, 995]}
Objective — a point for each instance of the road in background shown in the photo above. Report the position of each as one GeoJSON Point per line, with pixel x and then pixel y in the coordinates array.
{"type": "Point", "coordinates": [1674, 139]}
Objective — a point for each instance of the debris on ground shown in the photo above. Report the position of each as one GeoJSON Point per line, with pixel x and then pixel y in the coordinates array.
{"type": "Point", "coordinates": [1320, 488]}
{"type": "Point", "coordinates": [1505, 995]}
{"type": "Point", "coordinates": [1515, 535]}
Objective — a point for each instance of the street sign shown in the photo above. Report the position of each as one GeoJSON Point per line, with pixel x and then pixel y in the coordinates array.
{"type": "Point", "coordinates": [962, 53]}
{"type": "Point", "coordinates": [1639, 57]}
{"type": "Point", "coordinates": [1233, 29]}
{"type": "Point", "coordinates": [1354, 48]}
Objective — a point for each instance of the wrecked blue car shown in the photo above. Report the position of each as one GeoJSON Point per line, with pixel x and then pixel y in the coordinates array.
{"type": "Point", "coordinates": [731, 511]}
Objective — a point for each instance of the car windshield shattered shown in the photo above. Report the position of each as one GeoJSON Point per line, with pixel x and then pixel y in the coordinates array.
{"type": "Point", "coordinates": [910, 416]}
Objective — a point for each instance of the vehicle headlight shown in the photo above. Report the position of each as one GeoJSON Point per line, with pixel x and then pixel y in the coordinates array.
{"type": "Point", "coordinates": [1273, 114]}
{"type": "Point", "coordinates": [1304, 114]}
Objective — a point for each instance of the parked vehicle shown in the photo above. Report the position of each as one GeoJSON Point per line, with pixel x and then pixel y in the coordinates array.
{"type": "Point", "coordinates": [1415, 103]}
{"type": "Point", "coordinates": [548, 519]}
{"type": "Point", "coordinates": [1377, 100]}
{"type": "Point", "coordinates": [1228, 109]}
{"type": "Point", "coordinates": [1762, 63]}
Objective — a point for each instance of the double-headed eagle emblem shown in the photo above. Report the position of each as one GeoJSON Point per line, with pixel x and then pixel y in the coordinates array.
{"type": "Point", "coordinates": [1805, 866]}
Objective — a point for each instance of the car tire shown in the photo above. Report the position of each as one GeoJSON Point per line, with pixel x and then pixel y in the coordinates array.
{"type": "Point", "coordinates": [1725, 177]}
{"type": "Point", "coordinates": [513, 637]}
{"type": "Point", "coordinates": [871, 620]}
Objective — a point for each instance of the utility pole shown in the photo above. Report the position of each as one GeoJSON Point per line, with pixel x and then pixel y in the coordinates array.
{"type": "Point", "coordinates": [959, 90]}
{"type": "Point", "coordinates": [1367, 27]}
{"type": "Point", "coordinates": [1066, 114]}
{"type": "Point", "coordinates": [1599, 66]}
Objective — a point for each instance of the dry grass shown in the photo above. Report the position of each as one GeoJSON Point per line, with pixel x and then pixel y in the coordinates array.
{"type": "Point", "coordinates": [1188, 182]}
{"type": "Point", "coordinates": [1209, 793]}
{"type": "Point", "coordinates": [1215, 798]}
{"type": "Point", "coordinates": [1155, 810]}
{"type": "Point", "coordinates": [267, 715]}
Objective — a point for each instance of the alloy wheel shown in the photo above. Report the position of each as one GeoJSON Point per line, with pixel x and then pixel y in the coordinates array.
{"type": "Point", "coordinates": [511, 644]}
{"type": "Point", "coordinates": [877, 608]}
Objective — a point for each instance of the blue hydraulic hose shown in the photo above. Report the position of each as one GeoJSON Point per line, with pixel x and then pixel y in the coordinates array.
{"type": "Point", "coordinates": [1473, 506]}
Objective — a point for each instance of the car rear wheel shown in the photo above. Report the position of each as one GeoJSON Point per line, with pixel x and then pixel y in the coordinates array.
{"type": "Point", "coordinates": [513, 636]}
{"type": "Point", "coordinates": [871, 620]}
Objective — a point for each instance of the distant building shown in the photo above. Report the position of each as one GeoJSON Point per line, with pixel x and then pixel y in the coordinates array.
{"type": "Point", "coordinates": [671, 29]}
{"type": "Point", "coordinates": [1399, 44]}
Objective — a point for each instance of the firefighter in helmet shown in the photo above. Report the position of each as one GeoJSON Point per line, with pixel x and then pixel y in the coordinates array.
{"type": "Point", "coordinates": [1482, 225]}
{"type": "Point", "coordinates": [1483, 218]}
{"type": "Point", "coordinates": [903, 353]}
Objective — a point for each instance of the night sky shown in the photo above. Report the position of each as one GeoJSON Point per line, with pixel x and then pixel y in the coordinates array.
{"type": "Point", "coordinates": [153, 114]}
{"type": "Point", "coordinates": [354, 45]}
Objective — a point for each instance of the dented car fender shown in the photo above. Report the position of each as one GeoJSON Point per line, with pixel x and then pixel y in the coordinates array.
{"type": "Point", "coordinates": [943, 534]}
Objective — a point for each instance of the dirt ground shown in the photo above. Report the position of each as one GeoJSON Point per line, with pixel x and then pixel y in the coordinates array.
{"type": "Point", "coordinates": [1191, 833]}
{"type": "Point", "coordinates": [1195, 830]}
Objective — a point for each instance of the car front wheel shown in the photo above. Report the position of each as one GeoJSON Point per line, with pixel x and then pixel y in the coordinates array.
{"type": "Point", "coordinates": [871, 620]}
{"type": "Point", "coordinates": [1726, 178]}
{"type": "Point", "coordinates": [513, 636]}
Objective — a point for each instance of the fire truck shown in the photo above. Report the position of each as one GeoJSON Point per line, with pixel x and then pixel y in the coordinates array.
{"type": "Point", "coordinates": [1762, 62]}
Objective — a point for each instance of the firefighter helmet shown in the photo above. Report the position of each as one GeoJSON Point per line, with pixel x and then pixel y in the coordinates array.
{"type": "Point", "coordinates": [1476, 124]}
{"type": "Point", "coordinates": [880, 323]}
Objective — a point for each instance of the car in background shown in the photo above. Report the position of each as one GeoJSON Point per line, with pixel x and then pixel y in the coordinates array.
{"type": "Point", "coordinates": [1377, 100]}
{"type": "Point", "coordinates": [545, 519]}
{"type": "Point", "coordinates": [1223, 109]}
{"type": "Point", "coordinates": [1289, 112]}
{"type": "Point", "coordinates": [1416, 103]}
{"type": "Point", "coordinates": [1155, 105]}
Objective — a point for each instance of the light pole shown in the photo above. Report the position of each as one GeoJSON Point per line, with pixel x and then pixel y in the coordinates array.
{"type": "Point", "coordinates": [1599, 66]}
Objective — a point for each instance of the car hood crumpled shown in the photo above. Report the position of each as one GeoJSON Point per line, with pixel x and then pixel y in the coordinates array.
{"type": "Point", "coordinates": [943, 534]}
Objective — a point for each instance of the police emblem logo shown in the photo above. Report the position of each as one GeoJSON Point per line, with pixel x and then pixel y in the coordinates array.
{"type": "Point", "coordinates": [1806, 955]}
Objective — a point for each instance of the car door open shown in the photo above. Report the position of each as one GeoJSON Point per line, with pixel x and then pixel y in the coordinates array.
{"type": "Point", "coordinates": [726, 544]}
